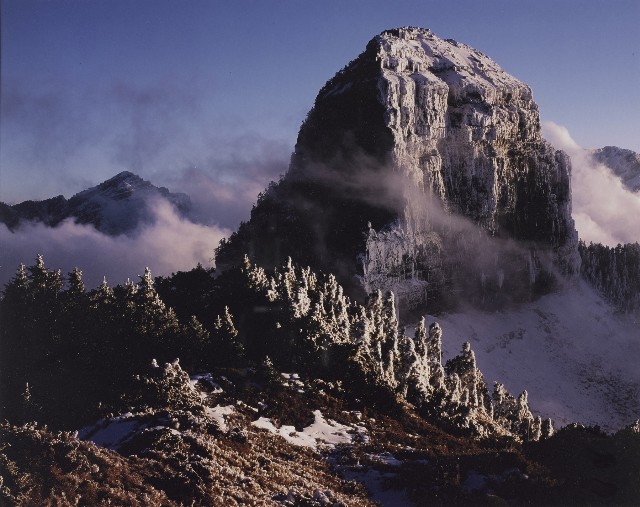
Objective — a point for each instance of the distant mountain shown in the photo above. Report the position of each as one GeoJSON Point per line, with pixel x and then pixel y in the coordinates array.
{"type": "Point", "coordinates": [116, 206]}
{"type": "Point", "coordinates": [623, 163]}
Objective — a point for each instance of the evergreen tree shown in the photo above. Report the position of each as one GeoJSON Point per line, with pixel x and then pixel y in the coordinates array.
{"type": "Point", "coordinates": [435, 343]}
{"type": "Point", "coordinates": [546, 429]}
{"type": "Point", "coordinates": [16, 323]}
{"type": "Point", "coordinates": [76, 307]}
{"type": "Point", "coordinates": [224, 348]}
{"type": "Point", "coordinates": [421, 339]}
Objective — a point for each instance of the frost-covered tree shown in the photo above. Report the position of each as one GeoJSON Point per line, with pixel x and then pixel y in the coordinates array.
{"type": "Point", "coordinates": [614, 271]}
{"type": "Point", "coordinates": [546, 429]}
{"type": "Point", "coordinates": [193, 342]}
{"type": "Point", "coordinates": [166, 387]}
{"type": "Point", "coordinates": [412, 373]}
{"type": "Point", "coordinates": [256, 276]}
{"type": "Point", "coordinates": [514, 414]}
{"type": "Point", "coordinates": [152, 317]}
{"type": "Point", "coordinates": [224, 347]}
{"type": "Point", "coordinates": [420, 339]}
{"type": "Point", "coordinates": [75, 313]}
{"type": "Point", "coordinates": [524, 425]}
{"type": "Point", "coordinates": [434, 349]}
{"type": "Point", "coordinates": [536, 432]}
{"type": "Point", "coordinates": [471, 379]}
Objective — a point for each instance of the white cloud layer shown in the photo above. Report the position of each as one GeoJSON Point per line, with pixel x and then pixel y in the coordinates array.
{"type": "Point", "coordinates": [604, 210]}
{"type": "Point", "coordinates": [169, 245]}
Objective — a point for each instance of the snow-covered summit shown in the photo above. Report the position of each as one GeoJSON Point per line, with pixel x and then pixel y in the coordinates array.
{"type": "Point", "coordinates": [116, 206]}
{"type": "Point", "coordinates": [417, 50]}
{"type": "Point", "coordinates": [127, 185]}
{"type": "Point", "coordinates": [120, 186]}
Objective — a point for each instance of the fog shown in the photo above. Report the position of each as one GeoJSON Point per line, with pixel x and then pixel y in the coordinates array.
{"type": "Point", "coordinates": [604, 210]}
{"type": "Point", "coordinates": [168, 245]}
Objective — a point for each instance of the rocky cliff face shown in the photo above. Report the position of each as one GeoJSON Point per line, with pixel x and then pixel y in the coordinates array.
{"type": "Point", "coordinates": [410, 136]}
{"type": "Point", "coordinates": [115, 206]}
{"type": "Point", "coordinates": [625, 164]}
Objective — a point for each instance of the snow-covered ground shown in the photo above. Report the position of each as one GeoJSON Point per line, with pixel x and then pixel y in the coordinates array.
{"type": "Point", "coordinates": [574, 355]}
{"type": "Point", "coordinates": [326, 433]}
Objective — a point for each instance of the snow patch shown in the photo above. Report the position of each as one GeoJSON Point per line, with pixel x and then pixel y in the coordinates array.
{"type": "Point", "coordinates": [220, 415]}
{"type": "Point", "coordinates": [570, 350]}
{"type": "Point", "coordinates": [113, 433]}
{"type": "Point", "coordinates": [321, 432]}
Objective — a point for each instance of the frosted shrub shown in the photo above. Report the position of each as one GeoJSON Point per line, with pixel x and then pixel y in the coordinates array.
{"type": "Point", "coordinates": [166, 387]}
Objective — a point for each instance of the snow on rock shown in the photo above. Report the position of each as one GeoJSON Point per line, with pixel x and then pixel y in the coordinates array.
{"type": "Point", "coordinates": [207, 380]}
{"type": "Point", "coordinates": [570, 350]}
{"type": "Point", "coordinates": [289, 433]}
{"type": "Point", "coordinates": [113, 433]}
{"type": "Point", "coordinates": [625, 164]}
{"type": "Point", "coordinates": [466, 132]}
{"type": "Point", "coordinates": [220, 414]}
{"type": "Point", "coordinates": [321, 432]}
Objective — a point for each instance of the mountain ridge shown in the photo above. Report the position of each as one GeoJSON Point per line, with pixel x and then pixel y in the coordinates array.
{"type": "Point", "coordinates": [625, 164]}
{"type": "Point", "coordinates": [118, 205]}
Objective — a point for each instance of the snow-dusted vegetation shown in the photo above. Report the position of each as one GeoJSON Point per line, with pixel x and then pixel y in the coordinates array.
{"type": "Point", "coordinates": [370, 409]}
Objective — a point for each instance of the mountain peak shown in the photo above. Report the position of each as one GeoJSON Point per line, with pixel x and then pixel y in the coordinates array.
{"type": "Point", "coordinates": [118, 205]}
{"type": "Point", "coordinates": [120, 186]}
{"type": "Point", "coordinates": [412, 50]}
{"type": "Point", "coordinates": [625, 164]}
{"type": "Point", "coordinates": [414, 131]}
{"type": "Point", "coordinates": [125, 176]}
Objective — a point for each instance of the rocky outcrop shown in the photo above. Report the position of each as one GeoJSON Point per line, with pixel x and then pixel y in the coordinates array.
{"type": "Point", "coordinates": [417, 162]}
{"type": "Point", "coordinates": [625, 164]}
{"type": "Point", "coordinates": [116, 206]}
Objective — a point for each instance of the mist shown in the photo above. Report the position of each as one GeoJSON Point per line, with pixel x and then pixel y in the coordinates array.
{"type": "Point", "coordinates": [64, 137]}
{"type": "Point", "coordinates": [169, 244]}
{"type": "Point", "coordinates": [223, 188]}
{"type": "Point", "coordinates": [603, 209]}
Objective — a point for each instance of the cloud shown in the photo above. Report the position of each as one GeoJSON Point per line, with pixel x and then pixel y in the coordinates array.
{"type": "Point", "coordinates": [169, 245]}
{"type": "Point", "coordinates": [159, 123]}
{"type": "Point", "coordinates": [224, 187]}
{"type": "Point", "coordinates": [60, 139]}
{"type": "Point", "coordinates": [604, 210]}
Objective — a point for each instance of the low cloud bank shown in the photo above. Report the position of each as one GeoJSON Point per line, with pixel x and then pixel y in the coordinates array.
{"type": "Point", "coordinates": [604, 210]}
{"type": "Point", "coordinates": [169, 244]}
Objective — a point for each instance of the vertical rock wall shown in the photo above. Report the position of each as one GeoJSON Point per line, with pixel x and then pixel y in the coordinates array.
{"type": "Point", "coordinates": [421, 165]}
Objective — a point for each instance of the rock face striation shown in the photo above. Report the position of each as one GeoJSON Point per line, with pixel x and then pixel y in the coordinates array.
{"type": "Point", "coordinates": [116, 206]}
{"type": "Point", "coordinates": [419, 165]}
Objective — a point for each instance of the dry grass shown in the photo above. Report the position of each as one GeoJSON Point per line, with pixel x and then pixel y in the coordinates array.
{"type": "Point", "coordinates": [200, 464]}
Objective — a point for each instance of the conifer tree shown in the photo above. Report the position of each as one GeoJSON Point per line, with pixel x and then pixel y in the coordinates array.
{"type": "Point", "coordinates": [421, 338]}
{"type": "Point", "coordinates": [75, 313]}
{"type": "Point", "coordinates": [256, 276]}
{"type": "Point", "coordinates": [435, 343]}
{"type": "Point", "coordinates": [224, 346]}
{"type": "Point", "coordinates": [546, 429]}
{"type": "Point", "coordinates": [15, 332]}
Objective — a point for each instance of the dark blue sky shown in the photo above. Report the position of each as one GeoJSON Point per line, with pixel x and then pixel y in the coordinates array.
{"type": "Point", "coordinates": [162, 87]}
